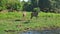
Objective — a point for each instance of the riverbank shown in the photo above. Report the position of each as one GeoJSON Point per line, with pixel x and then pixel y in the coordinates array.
{"type": "Point", "coordinates": [14, 21]}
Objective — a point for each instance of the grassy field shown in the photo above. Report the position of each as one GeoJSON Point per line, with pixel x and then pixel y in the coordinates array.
{"type": "Point", "coordinates": [10, 21]}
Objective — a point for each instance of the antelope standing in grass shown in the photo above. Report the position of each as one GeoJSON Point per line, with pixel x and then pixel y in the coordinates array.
{"type": "Point", "coordinates": [34, 14]}
{"type": "Point", "coordinates": [24, 15]}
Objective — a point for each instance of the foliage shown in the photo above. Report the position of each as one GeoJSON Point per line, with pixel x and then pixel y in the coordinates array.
{"type": "Point", "coordinates": [52, 5]}
{"type": "Point", "coordinates": [9, 4]}
{"type": "Point", "coordinates": [36, 9]}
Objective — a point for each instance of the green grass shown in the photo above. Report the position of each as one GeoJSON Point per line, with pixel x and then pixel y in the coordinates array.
{"type": "Point", "coordinates": [47, 20]}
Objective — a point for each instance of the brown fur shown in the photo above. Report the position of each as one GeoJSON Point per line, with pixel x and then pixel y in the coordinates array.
{"type": "Point", "coordinates": [24, 14]}
{"type": "Point", "coordinates": [34, 14]}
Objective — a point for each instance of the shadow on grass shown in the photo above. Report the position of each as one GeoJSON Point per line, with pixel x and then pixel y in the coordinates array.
{"type": "Point", "coordinates": [28, 21]}
{"type": "Point", "coordinates": [24, 21]}
{"type": "Point", "coordinates": [18, 20]}
{"type": "Point", "coordinates": [9, 30]}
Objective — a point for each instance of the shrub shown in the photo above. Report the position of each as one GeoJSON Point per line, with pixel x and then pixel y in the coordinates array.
{"type": "Point", "coordinates": [36, 9]}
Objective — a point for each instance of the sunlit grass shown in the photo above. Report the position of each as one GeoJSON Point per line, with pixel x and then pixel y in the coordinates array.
{"type": "Point", "coordinates": [7, 21]}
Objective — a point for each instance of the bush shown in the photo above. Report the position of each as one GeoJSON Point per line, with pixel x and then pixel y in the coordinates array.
{"type": "Point", "coordinates": [36, 9]}
{"type": "Point", "coordinates": [2, 8]}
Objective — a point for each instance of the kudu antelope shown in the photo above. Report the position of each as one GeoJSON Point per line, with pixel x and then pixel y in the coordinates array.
{"type": "Point", "coordinates": [24, 15]}
{"type": "Point", "coordinates": [34, 14]}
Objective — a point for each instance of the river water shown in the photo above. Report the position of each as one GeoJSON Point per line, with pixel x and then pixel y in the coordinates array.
{"type": "Point", "coordinates": [41, 32]}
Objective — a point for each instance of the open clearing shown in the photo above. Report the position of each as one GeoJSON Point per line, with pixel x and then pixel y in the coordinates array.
{"type": "Point", "coordinates": [14, 21]}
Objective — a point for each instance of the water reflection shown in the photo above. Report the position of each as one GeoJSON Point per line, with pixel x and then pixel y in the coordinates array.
{"type": "Point", "coordinates": [41, 32]}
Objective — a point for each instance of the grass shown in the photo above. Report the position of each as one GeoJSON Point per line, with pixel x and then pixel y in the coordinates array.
{"type": "Point", "coordinates": [45, 20]}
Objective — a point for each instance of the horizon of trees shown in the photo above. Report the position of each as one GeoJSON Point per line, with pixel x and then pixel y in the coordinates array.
{"type": "Point", "coordinates": [44, 5]}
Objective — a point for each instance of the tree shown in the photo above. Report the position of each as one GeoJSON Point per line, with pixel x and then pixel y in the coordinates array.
{"type": "Point", "coordinates": [9, 4]}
